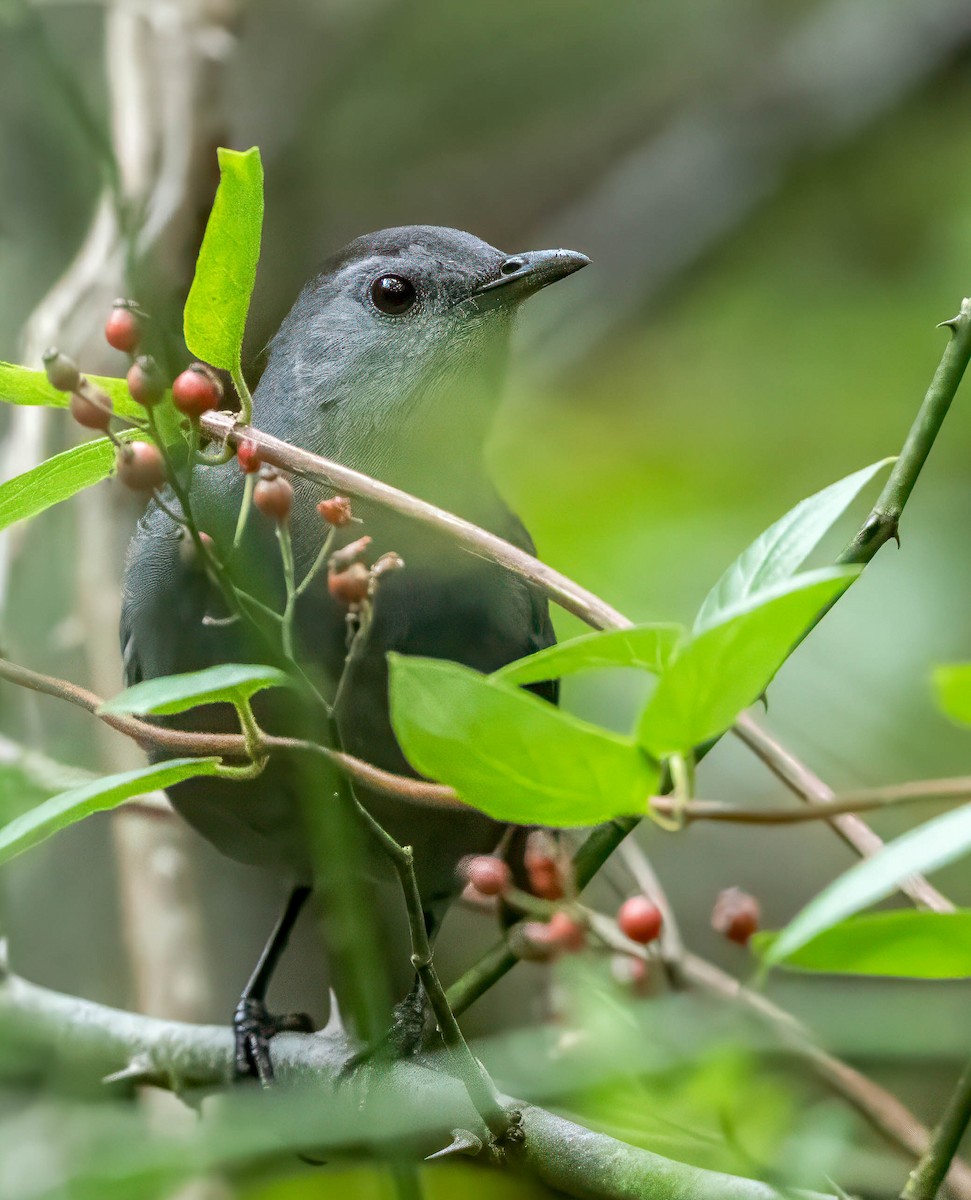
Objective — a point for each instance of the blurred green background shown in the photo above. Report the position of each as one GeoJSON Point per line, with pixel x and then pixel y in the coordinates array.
{"type": "Point", "coordinates": [777, 200]}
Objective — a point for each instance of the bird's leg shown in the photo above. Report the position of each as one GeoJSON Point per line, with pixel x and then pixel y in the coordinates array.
{"type": "Point", "coordinates": [253, 1026]}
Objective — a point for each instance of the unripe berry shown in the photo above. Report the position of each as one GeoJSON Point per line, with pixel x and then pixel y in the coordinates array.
{"type": "Point", "coordinates": [89, 413]}
{"type": "Point", "coordinates": [488, 874]}
{"type": "Point", "coordinates": [640, 919]}
{"type": "Point", "coordinates": [273, 495]}
{"type": "Point", "coordinates": [736, 915]}
{"type": "Point", "coordinates": [248, 457]}
{"type": "Point", "coordinates": [62, 372]}
{"type": "Point", "coordinates": [350, 586]}
{"type": "Point", "coordinates": [531, 941]}
{"type": "Point", "coordinates": [140, 466]}
{"type": "Point", "coordinates": [197, 390]}
{"type": "Point", "coordinates": [566, 932]}
{"type": "Point", "coordinates": [336, 511]}
{"type": "Point", "coordinates": [123, 329]}
{"type": "Point", "coordinates": [145, 381]}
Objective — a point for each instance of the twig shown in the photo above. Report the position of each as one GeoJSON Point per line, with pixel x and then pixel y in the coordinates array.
{"type": "Point", "coordinates": [883, 1110]}
{"type": "Point", "coordinates": [810, 788]}
{"type": "Point", "coordinates": [408, 1099]}
{"type": "Point", "coordinates": [926, 1178]}
{"type": "Point", "coordinates": [438, 795]}
{"type": "Point", "coordinates": [482, 1091]}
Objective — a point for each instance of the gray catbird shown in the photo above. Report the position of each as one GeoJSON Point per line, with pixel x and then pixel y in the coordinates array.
{"type": "Point", "coordinates": [389, 362]}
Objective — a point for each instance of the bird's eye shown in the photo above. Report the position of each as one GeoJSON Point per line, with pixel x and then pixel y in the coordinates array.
{"type": "Point", "coordinates": [393, 294]}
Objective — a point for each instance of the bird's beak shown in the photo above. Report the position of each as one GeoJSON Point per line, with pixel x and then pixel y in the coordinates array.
{"type": "Point", "coordinates": [523, 274]}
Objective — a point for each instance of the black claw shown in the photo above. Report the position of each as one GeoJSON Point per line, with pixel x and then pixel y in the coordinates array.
{"type": "Point", "coordinates": [254, 1027]}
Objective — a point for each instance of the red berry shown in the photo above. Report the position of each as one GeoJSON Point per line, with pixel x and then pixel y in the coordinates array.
{"type": "Point", "coordinates": [736, 915]}
{"type": "Point", "coordinates": [566, 932]}
{"type": "Point", "coordinates": [350, 586]}
{"type": "Point", "coordinates": [488, 874]}
{"type": "Point", "coordinates": [145, 381]}
{"type": "Point", "coordinates": [273, 495]}
{"type": "Point", "coordinates": [196, 390]}
{"type": "Point", "coordinates": [543, 867]}
{"type": "Point", "coordinates": [640, 919]}
{"type": "Point", "coordinates": [140, 466]}
{"type": "Point", "coordinates": [336, 511]}
{"type": "Point", "coordinates": [89, 413]}
{"type": "Point", "coordinates": [62, 372]}
{"type": "Point", "coordinates": [248, 456]}
{"type": "Point", "coordinates": [123, 329]}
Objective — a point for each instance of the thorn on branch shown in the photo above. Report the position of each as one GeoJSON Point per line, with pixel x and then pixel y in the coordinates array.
{"type": "Point", "coordinates": [464, 1141]}
{"type": "Point", "coordinates": [139, 1070]}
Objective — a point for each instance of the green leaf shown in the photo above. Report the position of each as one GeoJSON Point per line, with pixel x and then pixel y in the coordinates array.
{"type": "Point", "coordinates": [218, 303]}
{"type": "Point", "coordinates": [905, 944]}
{"type": "Point", "coordinates": [917, 852]}
{"type": "Point", "coordinates": [511, 754]}
{"type": "Point", "coordinates": [55, 480]}
{"type": "Point", "coordinates": [725, 668]}
{"type": "Point", "coordinates": [646, 647]}
{"type": "Point", "coordinates": [230, 683]}
{"type": "Point", "coordinates": [952, 685]}
{"type": "Point", "coordinates": [779, 552]}
{"type": "Point", "coordinates": [20, 385]}
{"type": "Point", "coordinates": [39, 823]}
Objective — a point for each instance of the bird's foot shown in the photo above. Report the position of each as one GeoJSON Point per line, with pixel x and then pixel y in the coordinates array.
{"type": "Point", "coordinates": [253, 1029]}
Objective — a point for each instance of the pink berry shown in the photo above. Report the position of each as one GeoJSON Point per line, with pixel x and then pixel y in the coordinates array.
{"type": "Point", "coordinates": [736, 915]}
{"type": "Point", "coordinates": [273, 495]}
{"type": "Point", "coordinates": [123, 329]}
{"type": "Point", "coordinates": [640, 919]}
{"type": "Point", "coordinates": [543, 867]}
{"type": "Point", "coordinates": [248, 457]}
{"type": "Point", "coordinates": [336, 511]}
{"type": "Point", "coordinates": [145, 381]}
{"type": "Point", "coordinates": [350, 586]}
{"type": "Point", "coordinates": [196, 391]}
{"type": "Point", "coordinates": [488, 874]}
{"type": "Point", "coordinates": [88, 413]}
{"type": "Point", "coordinates": [140, 466]}
{"type": "Point", "coordinates": [566, 932]}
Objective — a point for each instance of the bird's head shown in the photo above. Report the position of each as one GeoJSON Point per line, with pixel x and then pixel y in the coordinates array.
{"type": "Point", "coordinates": [391, 357]}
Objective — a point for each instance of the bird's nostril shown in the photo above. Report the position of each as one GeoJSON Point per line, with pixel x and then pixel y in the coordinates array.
{"type": "Point", "coordinates": [512, 265]}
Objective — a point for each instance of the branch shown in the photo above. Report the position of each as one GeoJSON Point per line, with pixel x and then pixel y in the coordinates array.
{"type": "Point", "coordinates": [810, 788]}
{"type": "Point", "coordinates": [927, 1177]}
{"type": "Point", "coordinates": [563, 1155]}
{"type": "Point", "coordinates": [826, 807]}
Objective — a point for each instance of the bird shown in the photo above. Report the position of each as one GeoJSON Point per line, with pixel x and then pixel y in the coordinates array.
{"type": "Point", "coordinates": [391, 362]}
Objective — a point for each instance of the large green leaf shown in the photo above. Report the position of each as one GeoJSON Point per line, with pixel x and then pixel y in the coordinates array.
{"type": "Point", "coordinates": [511, 754]}
{"type": "Point", "coordinates": [74, 805]}
{"type": "Point", "coordinates": [20, 385]}
{"type": "Point", "coordinates": [781, 550]}
{"type": "Point", "coordinates": [952, 686]}
{"type": "Point", "coordinates": [218, 303]}
{"type": "Point", "coordinates": [646, 647]}
{"type": "Point", "coordinates": [230, 683]}
{"type": "Point", "coordinates": [725, 668]}
{"type": "Point", "coordinates": [55, 480]}
{"type": "Point", "coordinates": [906, 944]}
{"type": "Point", "coordinates": [917, 852]}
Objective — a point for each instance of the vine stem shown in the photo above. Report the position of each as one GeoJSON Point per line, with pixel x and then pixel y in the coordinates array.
{"type": "Point", "coordinates": [926, 1178]}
